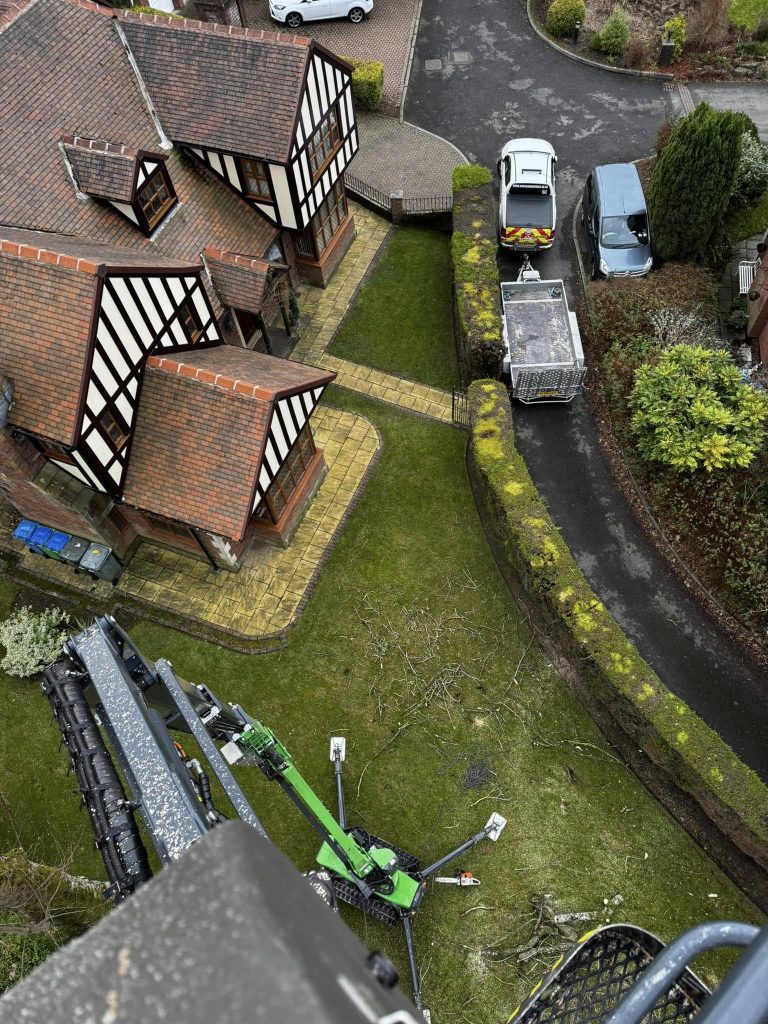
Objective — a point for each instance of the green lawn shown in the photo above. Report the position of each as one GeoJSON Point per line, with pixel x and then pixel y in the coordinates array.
{"type": "Point", "coordinates": [402, 321]}
{"type": "Point", "coordinates": [749, 221]}
{"type": "Point", "coordinates": [412, 648]}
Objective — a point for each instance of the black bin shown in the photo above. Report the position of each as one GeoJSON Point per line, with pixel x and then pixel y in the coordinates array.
{"type": "Point", "coordinates": [100, 563]}
{"type": "Point", "coordinates": [73, 551]}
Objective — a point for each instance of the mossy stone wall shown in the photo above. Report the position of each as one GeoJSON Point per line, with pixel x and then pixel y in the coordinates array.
{"type": "Point", "coordinates": [721, 801]}
{"type": "Point", "coordinates": [475, 274]}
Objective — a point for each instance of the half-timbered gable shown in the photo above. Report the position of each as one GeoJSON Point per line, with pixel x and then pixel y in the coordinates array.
{"type": "Point", "coordinates": [286, 142]}
{"type": "Point", "coordinates": [65, 64]}
{"type": "Point", "coordinates": [255, 455]}
{"type": "Point", "coordinates": [134, 182]}
{"type": "Point", "coordinates": [77, 388]}
{"type": "Point", "coordinates": [105, 215]}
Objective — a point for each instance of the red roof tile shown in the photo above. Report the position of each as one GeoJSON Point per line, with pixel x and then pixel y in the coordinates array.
{"type": "Point", "coordinates": [236, 90]}
{"type": "Point", "coordinates": [200, 434]}
{"type": "Point", "coordinates": [239, 280]}
{"type": "Point", "coordinates": [47, 295]}
{"type": "Point", "coordinates": [65, 71]}
{"type": "Point", "coordinates": [102, 168]}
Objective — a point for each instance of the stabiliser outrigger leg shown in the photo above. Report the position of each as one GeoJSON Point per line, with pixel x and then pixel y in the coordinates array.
{"type": "Point", "coordinates": [393, 906]}
{"type": "Point", "coordinates": [103, 689]}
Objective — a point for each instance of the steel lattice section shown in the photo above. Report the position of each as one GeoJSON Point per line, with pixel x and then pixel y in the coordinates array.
{"type": "Point", "coordinates": [591, 982]}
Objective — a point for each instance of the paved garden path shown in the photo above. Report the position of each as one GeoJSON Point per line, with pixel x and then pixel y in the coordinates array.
{"type": "Point", "coordinates": [324, 309]}
{"type": "Point", "coordinates": [496, 80]}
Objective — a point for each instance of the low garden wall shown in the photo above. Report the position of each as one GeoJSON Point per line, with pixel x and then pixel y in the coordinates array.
{"type": "Point", "coordinates": [720, 801]}
{"type": "Point", "coordinates": [477, 311]}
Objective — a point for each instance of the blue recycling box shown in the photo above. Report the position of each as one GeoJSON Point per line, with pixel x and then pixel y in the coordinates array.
{"type": "Point", "coordinates": [25, 529]}
{"type": "Point", "coordinates": [39, 536]}
{"type": "Point", "coordinates": [52, 547]}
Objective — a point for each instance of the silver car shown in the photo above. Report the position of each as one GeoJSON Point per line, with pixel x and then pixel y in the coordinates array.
{"type": "Point", "coordinates": [615, 217]}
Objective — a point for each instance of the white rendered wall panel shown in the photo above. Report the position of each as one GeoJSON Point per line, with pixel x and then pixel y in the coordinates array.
{"type": "Point", "coordinates": [126, 209]}
{"type": "Point", "coordinates": [147, 305]}
{"type": "Point", "coordinates": [161, 295]}
{"type": "Point", "coordinates": [283, 196]}
{"type": "Point", "coordinates": [215, 162]}
{"type": "Point", "coordinates": [322, 91]}
{"type": "Point", "coordinates": [314, 100]}
{"type": "Point", "coordinates": [231, 169]}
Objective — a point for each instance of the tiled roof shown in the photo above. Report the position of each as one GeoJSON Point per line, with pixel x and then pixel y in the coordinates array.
{"type": "Point", "coordinates": [90, 253]}
{"type": "Point", "coordinates": [47, 289]}
{"type": "Point", "coordinates": [46, 308]}
{"type": "Point", "coordinates": [220, 87]}
{"type": "Point", "coordinates": [200, 434]}
{"type": "Point", "coordinates": [102, 168]}
{"type": "Point", "coordinates": [239, 369]}
{"type": "Point", "coordinates": [65, 71]}
{"type": "Point", "coordinates": [239, 280]}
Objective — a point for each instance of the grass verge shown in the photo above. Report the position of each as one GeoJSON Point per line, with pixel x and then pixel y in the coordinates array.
{"type": "Point", "coordinates": [402, 321]}
{"type": "Point", "coordinates": [412, 648]}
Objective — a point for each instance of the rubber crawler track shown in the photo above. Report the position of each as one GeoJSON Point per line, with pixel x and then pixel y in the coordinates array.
{"type": "Point", "coordinates": [114, 826]}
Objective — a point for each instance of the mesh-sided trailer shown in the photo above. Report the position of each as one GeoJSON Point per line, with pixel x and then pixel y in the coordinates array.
{"type": "Point", "coordinates": [543, 356]}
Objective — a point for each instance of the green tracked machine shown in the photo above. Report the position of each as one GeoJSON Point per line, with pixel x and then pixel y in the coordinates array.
{"type": "Point", "coordinates": [110, 701]}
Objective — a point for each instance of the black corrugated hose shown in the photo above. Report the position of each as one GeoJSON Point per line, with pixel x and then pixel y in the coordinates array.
{"type": "Point", "coordinates": [114, 826]}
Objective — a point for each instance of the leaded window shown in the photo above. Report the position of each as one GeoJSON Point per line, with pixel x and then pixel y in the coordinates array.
{"type": "Point", "coordinates": [324, 143]}
{"type": "Point", "coordinates": [255, 179]}
{"type": "Point", "coordinates": [155, 199]}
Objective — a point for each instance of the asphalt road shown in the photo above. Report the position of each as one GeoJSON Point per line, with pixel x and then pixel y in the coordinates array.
{"type": "Point", "coordinates": [498, 80]}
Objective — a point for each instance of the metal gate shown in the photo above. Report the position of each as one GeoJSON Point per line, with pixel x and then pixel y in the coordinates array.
{"type": "Point", "coordinates": [460, 409]}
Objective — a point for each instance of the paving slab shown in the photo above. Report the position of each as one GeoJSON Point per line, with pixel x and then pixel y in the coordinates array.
{"type": "Point", "coordinates": [269, 591]}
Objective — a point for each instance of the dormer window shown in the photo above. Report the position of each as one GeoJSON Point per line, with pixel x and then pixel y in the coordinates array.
{"type": "Point", "coordinates": [133, 181]}
{"type": "Point", "coordinates": [256, 179]}
{"type": "Point", "coordinates": [190, 321]}
{"type": "Point", "coordinates": [155, 199]}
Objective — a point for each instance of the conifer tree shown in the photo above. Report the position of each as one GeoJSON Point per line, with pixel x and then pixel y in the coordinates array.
{"type": "Point", "coordinates": [692, 183]}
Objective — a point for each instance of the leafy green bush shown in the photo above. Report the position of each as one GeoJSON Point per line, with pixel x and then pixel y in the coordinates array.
{"type": "Point", "coordinates": [614, 35]}
{"type": "Point", "coordinates": [691, 410]}
{"type": "Point", "coordinates": [747, 14]}
{"type": "Point", "coordinates": [676, 27]}
{"type": "Point", "coordinates": [32, 640]}
{"type": "Point", "coordinates": [752, 176]}
{"type": "Point", "coordinates": [470, 176]}
{"type": "Point", "coordinates": [563, 15]}
{"type": "Point", "coordinates": [692, 183]}
{"type": "Point", "coordinates": [367, 82]}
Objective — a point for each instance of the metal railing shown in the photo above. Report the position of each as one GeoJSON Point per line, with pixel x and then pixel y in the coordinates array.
{"type": "Point", "coordinates": [395, 205]}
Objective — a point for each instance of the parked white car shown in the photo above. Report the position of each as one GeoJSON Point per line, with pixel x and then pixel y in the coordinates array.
{"type": "Point", "coordinates": [293, 12]}
{"type": "Point", "coordinates": [527, 210]}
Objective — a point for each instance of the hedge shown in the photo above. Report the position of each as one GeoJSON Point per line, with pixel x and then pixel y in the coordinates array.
{"type": "Point", "coordinates": [470, 176]}
{"type": "Point", "coordinates": [367, 82]}
{"type": "Point", "coordinates": [475, 274]}
{"type": "Point", "coordinates": [673, 736]}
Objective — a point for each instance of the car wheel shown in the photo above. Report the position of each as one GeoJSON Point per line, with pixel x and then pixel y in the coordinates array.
{"type": "Point", "coordinates": [356, 15]}
{"type": "Point", "coordinates": [593, 269]}
{"type": "Point", "coordinates": [293, 20]}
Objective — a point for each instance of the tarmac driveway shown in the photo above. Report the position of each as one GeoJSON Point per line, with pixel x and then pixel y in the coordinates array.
{"type": "Point", "coordinates": [496, 79]}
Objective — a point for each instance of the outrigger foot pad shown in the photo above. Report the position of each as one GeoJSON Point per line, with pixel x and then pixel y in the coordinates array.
{"type": "Point", "coordinates": [495, 826]}
{"type": "Point", "coordinates": [338, 743]}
